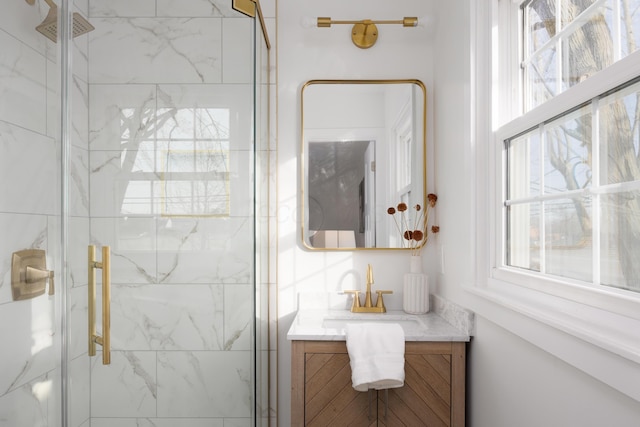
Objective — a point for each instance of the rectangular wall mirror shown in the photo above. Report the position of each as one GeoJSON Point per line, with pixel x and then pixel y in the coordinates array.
{"type": "Point", "coordinates": [363, 151]}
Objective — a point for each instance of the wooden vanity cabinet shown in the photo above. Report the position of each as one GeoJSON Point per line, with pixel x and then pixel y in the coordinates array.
{"type": "Point", "coordinates": [433, 394]}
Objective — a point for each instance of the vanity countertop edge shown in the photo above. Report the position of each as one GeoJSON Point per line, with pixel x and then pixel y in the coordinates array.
{"type": "Point", "coordinates": [309, 325]}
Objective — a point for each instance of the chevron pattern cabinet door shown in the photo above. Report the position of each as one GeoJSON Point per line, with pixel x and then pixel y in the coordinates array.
{"type": "Point", "coordinates": [330, 400]}
{"type": "Point", "coordinates": [425, 399]}
{"type": "Point", "coordinates": [433, 394]}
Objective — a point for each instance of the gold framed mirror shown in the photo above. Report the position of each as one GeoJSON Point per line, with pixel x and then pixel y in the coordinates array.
{"type": "Point", "coordinates": [363, 151]}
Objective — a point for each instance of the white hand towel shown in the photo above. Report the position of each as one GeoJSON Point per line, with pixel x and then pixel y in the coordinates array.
{"type": "Point", "coordinates": [376, 355]}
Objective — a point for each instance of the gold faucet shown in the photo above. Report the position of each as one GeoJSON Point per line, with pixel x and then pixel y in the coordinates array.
{"type": "Point", "coordinates": [368, 307]}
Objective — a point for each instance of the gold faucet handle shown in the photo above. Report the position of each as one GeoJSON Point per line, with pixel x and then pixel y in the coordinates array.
{"type": "Point", "coordinates": [380, 301]}
{"type": "Point", "coordinates": [356, 298]}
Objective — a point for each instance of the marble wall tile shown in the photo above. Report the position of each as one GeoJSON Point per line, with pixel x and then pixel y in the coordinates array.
{"type": "Point", "coordinates": [53, 123]}
{"type": "Point", "coordinates": [78, 322]}
{"type": "Point", "coordinates": [123, 183]}
{"type": "Point", "coordinates": [241, 189]}
{"type": "Point", "coordinates": [79, 389]}
{"type": "Point", "coordinates": [122, 8]}
{"type": "Point", "coordinates": [238, 317]}
{"type": "Point", "coordinates": [237, 48]}
{"type": "Point", "coordinates": [31, 331]}
{"type": "Point", "coordinates": [78, 240]}
{"type": "Point", "coordinates": [237, 99]}
{"type": "Point", "coordinates": [79, 113]}
{"type": "Point", "coordinates": [168, 317]}
{"type": "Point", "coordinates": [133, 244]}
{"type": "Point", "coordinates": [140, 183]}
{"type": "Point", "coordinates": [27, 166]}
{"type": "Point", "coordinates": [80, 54]}
{"type": "Point", "coordinates": [18, 232]}
{"type": "Point", "coordinates": [82, 6]}
{"type": "Point", "coordinates": [28, 404]}
{"type": "Point", "coordinates": [203, 8]}
{"type": "Point", "coordinates": [121, 116]}
{"type": "Point", "coordinates": [205, 250]}
{"type": "Point", "coordinates": [204, 384]}
{"type": "Point", "coordinates": [159, 50]}
{"type": "Point", "coordinates": [20, 19]}
{"type": "Point", "coordinates": [22, 85]}
{"type": "Point", "coordinates": [78, 179]}
{"type": "Point", "coordinates": [125, 388]}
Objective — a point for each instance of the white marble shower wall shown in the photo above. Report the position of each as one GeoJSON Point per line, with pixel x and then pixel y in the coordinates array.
{"type": "Point", "coordinates": [171, 172]}
{"type": "Point", "coordinates": [30, 211]}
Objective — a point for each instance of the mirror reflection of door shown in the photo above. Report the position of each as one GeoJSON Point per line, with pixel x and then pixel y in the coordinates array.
{"type": "Point", "coordinates": [342, 188]}
{"type": "Point", "coordinates": [369, 201]}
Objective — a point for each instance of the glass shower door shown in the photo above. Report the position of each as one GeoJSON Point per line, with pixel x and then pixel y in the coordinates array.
{"type": "Point", "coordinates": [162, 170]}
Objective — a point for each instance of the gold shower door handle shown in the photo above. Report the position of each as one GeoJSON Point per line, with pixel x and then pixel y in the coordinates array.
{"type": "Point", "coordinates": [94, 338]}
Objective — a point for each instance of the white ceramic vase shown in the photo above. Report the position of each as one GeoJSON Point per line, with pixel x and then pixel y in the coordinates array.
{"type": "Point", "coordinates": [416, 288]}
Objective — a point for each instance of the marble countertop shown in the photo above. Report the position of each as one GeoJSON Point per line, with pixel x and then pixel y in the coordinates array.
{"type": "Point", "coordinates": [329, 325]}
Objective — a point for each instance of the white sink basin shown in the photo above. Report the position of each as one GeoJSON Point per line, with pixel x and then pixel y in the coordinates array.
{"type": "Point", "coordinates": [407, 324]}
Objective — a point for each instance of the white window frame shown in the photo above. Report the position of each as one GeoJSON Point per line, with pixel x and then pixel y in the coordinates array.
{"type": "Point", "coordinates": [566, 314]}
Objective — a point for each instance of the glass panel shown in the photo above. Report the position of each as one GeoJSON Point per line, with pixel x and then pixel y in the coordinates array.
{"type": "Point", "coordinates": [567, 235]}
{"type": "Point", "coordinates": [630, 17]}
{"type": "Point", "coordinates": [172, 193]}
{"type": "Point", "coordinates": [620, 241]}
{"type": "Point", "coordinates": [567, 153]}
{"type": "Point", "coordinates": [571, 9]}
{"type": "Point", "coordinates": [523, 248]}
{"type": "Point", "coordinates": [589, 41]}
{"type": "Point", "coordinates": [587, 50]}
{"type": "Point", "coordinates": [620, 136]}
{"type": "Point", "coordinates": [542, 77]}
{"type": "Point", "coordinates": [263, 178]}
{"type": "Point", "coordinates": [540, 16]}
{"type": "Point", "coordinates": [524, 166]}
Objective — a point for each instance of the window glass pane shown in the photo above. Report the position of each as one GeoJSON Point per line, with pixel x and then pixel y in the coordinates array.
{"type": "Point", "coordinates": [620, 137]}
{"type": "Point", "coordinates": [589, 37]}
{"type": "Point", "coordinates": [620, 240]}
{"type": "Point", "coordinates": [541, 77]}
{"type": "Point", "coordinates": [524, 166]}
{"type": "Point", "coordinates": [630, 17]}
{"type": "Point", "coordinates": [571, 9]}
{"type": "Point", "coordinates": [567, 158]}
{"type": "Point", "coordinates": [540, 16]}
{"type": "Point", "coordinates": [588, 49]}
{"type": "Point", "coordinates": [523, 249]}
{"type": "Point", "coordinates": [568, 249]}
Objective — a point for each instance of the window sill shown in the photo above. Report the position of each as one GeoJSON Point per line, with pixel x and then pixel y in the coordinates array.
{"type": "Point", "coordinates": [600, 343]}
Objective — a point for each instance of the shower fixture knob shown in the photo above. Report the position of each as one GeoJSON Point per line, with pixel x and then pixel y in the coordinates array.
{"type": "Point", "coordinates": [29, 274]}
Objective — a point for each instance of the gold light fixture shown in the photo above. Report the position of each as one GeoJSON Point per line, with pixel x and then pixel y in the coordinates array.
{"type": "Point", "coordinates": [364, 33]}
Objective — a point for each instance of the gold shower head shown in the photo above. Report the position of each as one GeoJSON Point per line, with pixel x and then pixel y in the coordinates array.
{"type": "Point", "coordinates": [49, 27]}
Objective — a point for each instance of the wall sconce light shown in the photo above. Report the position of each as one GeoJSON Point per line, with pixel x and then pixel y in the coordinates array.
{"type": "Point", "coordinates": [364, 33]}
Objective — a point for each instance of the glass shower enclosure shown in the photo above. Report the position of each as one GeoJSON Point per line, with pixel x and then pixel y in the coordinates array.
{"type": "Point", "coordinates": [141, 127]}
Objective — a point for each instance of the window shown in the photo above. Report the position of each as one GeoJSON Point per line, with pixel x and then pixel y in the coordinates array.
{"type": "Point", "coordinates": [567, 41]}
{"type": "Point", "coordinates": [570, 183]}
{"type": "Point", "coordinates": [573, 195]}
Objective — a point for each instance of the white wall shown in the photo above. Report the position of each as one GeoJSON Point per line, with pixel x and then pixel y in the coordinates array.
{"type": "Point", "coordinates": [511, 381]}
{"type": "Point", "coordinates": [328, 53]}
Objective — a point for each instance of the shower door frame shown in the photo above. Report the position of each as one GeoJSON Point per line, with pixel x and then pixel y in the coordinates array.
{"type": "Point", "coordinates": [66, 111]}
